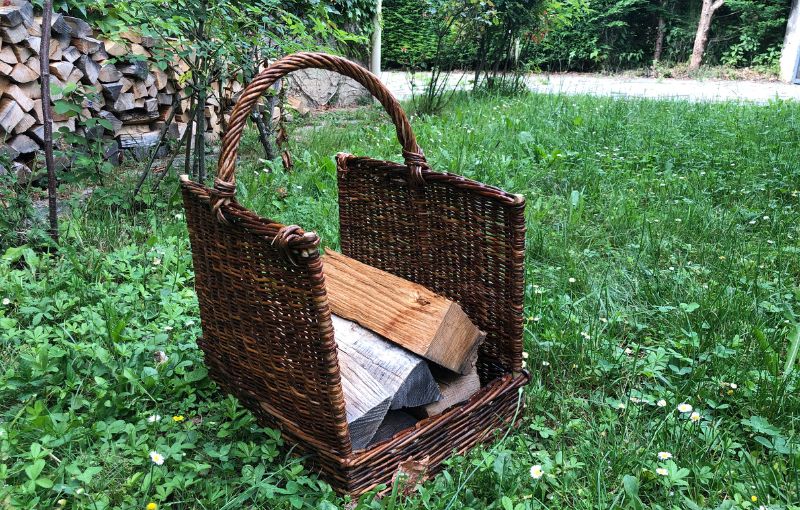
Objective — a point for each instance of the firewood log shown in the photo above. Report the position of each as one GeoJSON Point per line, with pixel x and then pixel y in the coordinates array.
{"type": "Point", "coordinates": [23, 144]}
{"type": "Point", "coordinates": [25, 123]}
{"type": "Point", "coordinates": [86, 45]}
{"type": "Point", "coordinates": [137, 69]}
{"type": "Point", "coordinates": [5, 69]}
{"type": "Point", "coordinates": [109, 73]}
{"type": "Point", "coordinates": [7, 55]}
{"type": "Point", "coordinates": [13, 35]}
{"type": "Point", "coordinates": [71, 54]}
{"type": "Point", "coordinates": [123, 103]}
{"type": "Point", "coordinates": [112, 90]}
{"type": "Point", "coordinates": [21, 73]}
{"type": "Point", "coordinates": [22, 52]}
{"type": "Point", "coordinates": [89, 68]}
{"type": "Point", "coordinates": [78, 27]}
{"type": "Point", "coordinates": [61, 69]}
{"type": "Point", "coordinates": [10, 114]}
{"type": "Point", "coordinates": [116, 48]}
{"type": "Point", "coordinates": [17, 94]}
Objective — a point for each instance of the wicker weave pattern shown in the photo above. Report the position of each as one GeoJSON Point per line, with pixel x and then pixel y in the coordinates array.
{"type": "Point", "coordinates": [268, 337]}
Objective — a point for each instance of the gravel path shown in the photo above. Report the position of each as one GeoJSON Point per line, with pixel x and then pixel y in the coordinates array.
{"type": "Point", "coordinates": [572, 84]}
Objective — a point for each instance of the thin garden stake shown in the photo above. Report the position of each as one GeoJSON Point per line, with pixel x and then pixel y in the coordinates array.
{"type": "Point", "coordinates": [47, 118]}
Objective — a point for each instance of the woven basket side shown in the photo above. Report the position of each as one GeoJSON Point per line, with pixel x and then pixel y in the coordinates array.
{"type": "Point", "coordinates": [460, 238]}
{"type": "Point", "coordinates": [268, 337]}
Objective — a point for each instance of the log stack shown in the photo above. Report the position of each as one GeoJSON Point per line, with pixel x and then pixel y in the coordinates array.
{"type": "Point", "coordinates": [404, 352]}
{"type": "Point", "coordinates": [124, 85]}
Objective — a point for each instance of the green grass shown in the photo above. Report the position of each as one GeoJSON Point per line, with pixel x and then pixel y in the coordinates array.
{"type": "Point", "coordinates": [662, 263]}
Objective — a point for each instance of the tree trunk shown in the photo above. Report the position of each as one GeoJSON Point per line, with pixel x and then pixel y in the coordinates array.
{"type": "Point", "coordinates": [47, 120]}
{"type": "Point", "coordinates": [375, 56]}
{"type": "Point", "coordinates": [661, 31]}
{"type": "Point", "coordinates": [703, 29]}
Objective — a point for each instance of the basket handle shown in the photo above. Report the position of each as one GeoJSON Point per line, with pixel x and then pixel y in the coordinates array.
{"type": "Point", "coordinates": [225, 183]}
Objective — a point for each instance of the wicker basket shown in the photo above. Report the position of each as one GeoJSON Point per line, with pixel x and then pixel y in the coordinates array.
{"type": "Point", "coordinates": [268, 337]}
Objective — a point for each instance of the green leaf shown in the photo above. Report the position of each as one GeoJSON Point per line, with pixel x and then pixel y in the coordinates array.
{"type": "Point", "coordinates": [33, 470]}
{"type": "Point", "coordinates": [507, 503]}
{"type": "Point", "coordinates": [794, 347]}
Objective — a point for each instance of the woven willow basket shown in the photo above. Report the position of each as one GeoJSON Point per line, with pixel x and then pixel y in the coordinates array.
{"type": "Point", "coordinates": [268, 337]}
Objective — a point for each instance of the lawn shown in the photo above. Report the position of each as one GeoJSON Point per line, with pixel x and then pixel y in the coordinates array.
{"type": "Point", "coordinates": [662, 271]}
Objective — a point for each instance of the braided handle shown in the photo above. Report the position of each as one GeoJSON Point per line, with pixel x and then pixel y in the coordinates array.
{"type": "Point", "coordinates": [225, 183]}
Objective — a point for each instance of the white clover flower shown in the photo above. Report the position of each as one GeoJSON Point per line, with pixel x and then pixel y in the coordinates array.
{"type": "Point", "coordinates": [524, 354]}
{"type": "Point", "coordinates": [157, 458]}
{"type": "Point", "coordinates": [154, 418]}
{"type": "Point", "coordinates": [664, 455]}
{"type": "Point", "coordinates": [695, 417]}
{"type": "Point", "coordinates": [734, 386]}
{"type": "Point", "coordinates": [662, 471]}
{"type": "Point", "coordinates": [628, 351]}
{"type": "Point", "coordinates": [156, 262]}
{"type": "Point", "coordinates": [572, 280]}
{"type": "Point", "coordinates": [684, 407]}
{"type": "Point", "coordinates": [661, 403]}
{"type": "Point", "coordinates": [6, 301]}
{"type": "Point", "coordinates": [537, 472]}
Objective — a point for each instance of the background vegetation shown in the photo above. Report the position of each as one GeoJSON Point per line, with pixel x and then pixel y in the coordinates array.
{"type": "Point", "coordinates": [661, 265]}
{"type": "Point", "coordinates": [609, 35]}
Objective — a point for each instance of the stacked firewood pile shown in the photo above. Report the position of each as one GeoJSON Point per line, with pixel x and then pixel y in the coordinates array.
{"type": "Point", "coordinates": [121, 83]}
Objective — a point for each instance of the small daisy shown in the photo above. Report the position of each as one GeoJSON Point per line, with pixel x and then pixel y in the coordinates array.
{"type": "Point", "coordinates": [537, 472]}
{"type": "Point", "coordinates": [695, 417]}
{"type": "Point", "coordinates": [154, 418]}
{"type": "Point", "coordinates": [628, 351]}
{"type": "Point", "coordinates": [6, 301]}
{"type": "Point", "coordinates": [662, 471]}
{"type": "Point", "coordinates": [734, 386]}
{"type": "Point", "coordinates": [685, 408]}
{"type": "Point", "coordinates": [536, 319]}
{"type": "Point", "coordinates": [178, 418]}
{"type": "Point", "coordinates": [664, 455]}
{"type": "Point", "coordinates": [157, 458]}
{"type": "Point", "coordinates": [572, 280]}
{"type": "Point", "coordinates": [156, 262]}
{"type": "Point", "coordinates": [545, 363]}
{"type": "Point", "coordinates": [661, 403]}
{"type": "Point", "coordinates": [524, 355]}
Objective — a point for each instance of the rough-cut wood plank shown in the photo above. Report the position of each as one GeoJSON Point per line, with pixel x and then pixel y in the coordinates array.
{"type": "Point", "coordinates": [404, 376]}
{"type": "Point", "coordinates": [13, 35]}
{"type": "Point", "coordinates": [89, 68]}
{"type": "Point", "coordinates": [10, 114]}
{"type": "Point", "coordinates": [404, 312]}
{"type": "Point", "coordinates": [17, 94]}
{"type": "Point", "coordinates": [86, 45]}
{"type": "Point", "coordinates": [109, 73]}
